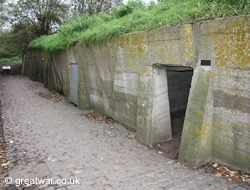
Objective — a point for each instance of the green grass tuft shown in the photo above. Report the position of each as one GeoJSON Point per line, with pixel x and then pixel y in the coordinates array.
{"type": "Point", "coordinates": [137, 16]}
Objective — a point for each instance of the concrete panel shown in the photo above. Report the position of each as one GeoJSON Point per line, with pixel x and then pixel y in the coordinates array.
{"type": "Point", "coordinates": [161, 127]}
{"type": "Point", "coordinates": [74, 83]}
{"type": "Point", "coordinates": [196, 140]}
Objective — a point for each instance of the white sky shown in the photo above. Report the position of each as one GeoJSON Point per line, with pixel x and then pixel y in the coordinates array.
{"type": "Point", "coordinates": [146, 1]}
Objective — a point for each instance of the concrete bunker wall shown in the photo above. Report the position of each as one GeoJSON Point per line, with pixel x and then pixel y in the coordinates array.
{"type": "Point", "coordinates": [33, 65]}
{"type": "Point", "coordinates": [121, 79]}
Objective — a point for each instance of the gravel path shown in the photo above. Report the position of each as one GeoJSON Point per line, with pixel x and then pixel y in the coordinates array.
{"type": "Point", "coordinates": [56, 140]}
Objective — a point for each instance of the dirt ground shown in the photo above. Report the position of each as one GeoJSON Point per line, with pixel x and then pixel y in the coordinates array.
{"type": "Point", "coordinates": [49, 138]}
{"type": "Point", "coordinates": [170, 149]}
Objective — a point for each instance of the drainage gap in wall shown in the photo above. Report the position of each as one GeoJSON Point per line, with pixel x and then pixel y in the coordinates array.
{"type": "Point", "coordinates": [179, 84]}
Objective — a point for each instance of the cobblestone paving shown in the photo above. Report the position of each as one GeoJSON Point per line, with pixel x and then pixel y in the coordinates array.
{"type": "Point", "coordinates": [56, 140]}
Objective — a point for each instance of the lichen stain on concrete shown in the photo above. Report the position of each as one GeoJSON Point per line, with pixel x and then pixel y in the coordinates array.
{"type": "Point", "coordinates": [189, 51]}
{"type": "Point", "coordinates": [165, 54]}
{"type": "Point", "coordinates": [223, 126]}
{"type": "Point", "coordinates": [139, 117]}
{"type": "Point", "coordinates": [211, 74]}
{"type": "Point", "coordinates": [134, 48]}
{"type": "Point", "coordinates": [238, 124]}
{"type": "Point", "coordinates": [134, 44]}
{"type": "Point", "coordinates": [226, 72]}
{"type": "Point", "coordinates": [143, 71]}
{"type": "Point", "coordinates": [232, 47]}
{"type": "Point", "coordinates": [201, 132]}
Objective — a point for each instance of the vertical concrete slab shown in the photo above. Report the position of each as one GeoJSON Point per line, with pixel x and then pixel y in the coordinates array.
{"type": "Point", "coordinates": [125, 97]}
{"type": "Point", "coordinates": [196, 141]}
{"type": "Point", "coordinates": [83, 95]}
{"type": "Point", "coordinates": [45, 71]}
{"type": "Point", "coordinates": [144, 109]}
{"type": "Point", "coordinates": [74, 83]}
{"type": "Point", "coordinates": [51, 75]}
{"type": "Point", "coordinates": [161, 127]}
{"type": "Point", "coordinates": [153, 117]}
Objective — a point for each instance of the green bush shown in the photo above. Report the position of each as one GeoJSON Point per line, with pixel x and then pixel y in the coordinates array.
{"type": "Point", "coordinates": [4, 54]}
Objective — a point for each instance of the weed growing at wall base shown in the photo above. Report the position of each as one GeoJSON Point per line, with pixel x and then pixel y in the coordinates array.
{"type": "Point", "coordinates": [137, 16]}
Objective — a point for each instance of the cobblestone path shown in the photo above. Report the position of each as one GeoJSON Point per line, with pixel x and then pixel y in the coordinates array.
{"type": "Point", "coordinates": [56, 140]}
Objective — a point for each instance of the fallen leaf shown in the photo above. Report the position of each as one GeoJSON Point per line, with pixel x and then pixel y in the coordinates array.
{"type": "Point", "coordinates": [236, 177]}
{"type": "Point", "coordinates": [215, 165]}
{"type": "Point", "coordinates": [232, 174]}
{"type": "Point", "coordinates": [219, 169]}
{"type": "Point", "coordinates": [5, 164]}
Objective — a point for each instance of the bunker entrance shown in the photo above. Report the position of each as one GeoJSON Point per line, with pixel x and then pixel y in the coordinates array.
{"type": "Point", "coordinates": [179, 83]}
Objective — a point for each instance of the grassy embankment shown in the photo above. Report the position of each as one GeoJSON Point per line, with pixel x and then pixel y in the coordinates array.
{"type": "Point", "coordinates": [136, 16]}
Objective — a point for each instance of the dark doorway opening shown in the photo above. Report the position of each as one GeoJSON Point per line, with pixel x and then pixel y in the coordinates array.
{"type": "Point", "coordinates": [179, 84]}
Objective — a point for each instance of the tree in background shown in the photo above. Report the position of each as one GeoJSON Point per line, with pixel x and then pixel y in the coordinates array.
{"type": "Point", "coordinates": [27, 20]}
{"type": "Point", "coordinates": [2, 14]}
{"type": "Point", "coordinates": [44, 16]}
{"type": "Point", "coordinates": [89, 7]}
{"type": "Point", "coordinates": [15, 39]}
{"type": "Point", "coordinates": [3, 53]}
